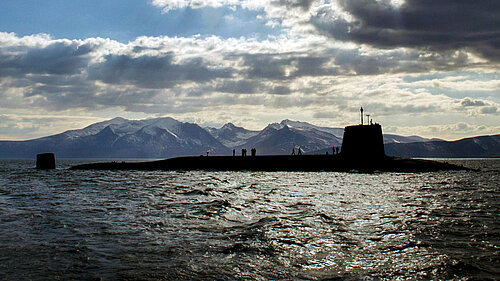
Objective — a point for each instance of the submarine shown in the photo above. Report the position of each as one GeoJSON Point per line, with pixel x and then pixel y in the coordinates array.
{"type": "Point", "coordinates": [362, 151]}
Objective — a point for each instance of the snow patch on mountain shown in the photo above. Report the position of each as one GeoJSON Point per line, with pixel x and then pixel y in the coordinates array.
{"type": "Point", "coordinates": [94, 128]}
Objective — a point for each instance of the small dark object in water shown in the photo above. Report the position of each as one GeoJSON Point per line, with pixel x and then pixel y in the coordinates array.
{"type": "Point", "coordinates": [46, 161]}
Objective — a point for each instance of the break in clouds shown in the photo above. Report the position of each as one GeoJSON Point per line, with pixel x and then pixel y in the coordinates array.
{"type": "Point", "coordinates": [414, 59]}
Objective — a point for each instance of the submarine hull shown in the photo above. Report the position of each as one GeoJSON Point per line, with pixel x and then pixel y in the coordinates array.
{"type": "Point", "coordinates": [277, 163]}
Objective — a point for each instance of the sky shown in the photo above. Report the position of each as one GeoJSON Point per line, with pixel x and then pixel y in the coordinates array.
{"type": "Point", "coordinates": [418, 67]}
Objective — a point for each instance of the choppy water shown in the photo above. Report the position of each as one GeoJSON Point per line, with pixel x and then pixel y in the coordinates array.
{"type": "Point", "coordinates": [131, 225]}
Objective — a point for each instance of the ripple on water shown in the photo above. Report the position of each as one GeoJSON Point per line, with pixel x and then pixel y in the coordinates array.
{"type": "Point", "coordinates": [239, 225]}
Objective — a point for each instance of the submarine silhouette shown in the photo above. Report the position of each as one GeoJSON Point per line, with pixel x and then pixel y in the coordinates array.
{"type": "Point", "coordinates": [362, 150]}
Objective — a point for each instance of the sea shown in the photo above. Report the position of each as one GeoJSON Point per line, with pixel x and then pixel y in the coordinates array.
{"type": "Point", "coordinates": [207, 225]}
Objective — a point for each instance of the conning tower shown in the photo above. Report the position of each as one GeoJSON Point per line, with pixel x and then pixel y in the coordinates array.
{"type": "Point", "coordinates": [363, 142]}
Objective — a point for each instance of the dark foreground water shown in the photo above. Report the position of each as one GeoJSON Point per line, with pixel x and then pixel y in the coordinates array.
{"type": "Point", "coordinates": [242, 225]}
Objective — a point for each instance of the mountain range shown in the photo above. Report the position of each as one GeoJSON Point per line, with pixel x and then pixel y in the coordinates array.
{"type": "Point", "coordinates": [166, 137]}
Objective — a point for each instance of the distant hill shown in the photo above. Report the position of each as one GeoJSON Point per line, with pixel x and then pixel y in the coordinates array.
{"type": "Point", "coordinates": [482, 146]}
{"type": "Point", "coordinates": [167, 137]}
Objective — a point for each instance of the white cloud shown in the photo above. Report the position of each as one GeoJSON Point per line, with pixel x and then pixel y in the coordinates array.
{"type": "Point", "coordinates": [305, 77]}
{"type": "Point", "coordinates": [168, 5]}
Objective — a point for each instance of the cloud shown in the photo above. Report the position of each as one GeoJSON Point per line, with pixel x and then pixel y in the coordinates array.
{"type": "Point", "coordinates": [238, 87]}
{"type": "Point", "coordinates": [433, 25]}
{"type": "Point", "coordinates": [12, 126]}
{"type": "Point", "coordinates": [470, 102]}
{"type": "Point", "coordinates": [168, 5]}
{"type": "Point", "coordinates": [476, 107]}
{"type": "Point", "coordinates": [59, 57]}
{"type": "Point", "coordinates": [299, 77]}
{"type": "Point", "coordinates": [153, 71]}
{"type": "Point", "coordinates": [438, 28]}
{"type": "Point", "coordinates": [288, 66]}
{"type": "Point", "coordinates": [281, 14]}
{"type": "Point", "coordinates": [305, 5]}
{"type": "Point", "coordinates": [489, 110]}
{"type": "Point", "coordinates": [281, 90]}
{"type": "Point", "coordinates": [325, 115]}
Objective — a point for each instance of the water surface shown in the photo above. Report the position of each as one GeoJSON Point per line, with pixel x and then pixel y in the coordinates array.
{"type": "Point", "coordinates": [200, 225]}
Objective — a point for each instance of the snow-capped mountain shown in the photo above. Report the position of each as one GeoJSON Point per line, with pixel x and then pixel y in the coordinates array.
{"type": "Point", "coordinates": [94, 128]}
{"type": "Point", "coordinates": [231, 135]}
{"type": "Point", "coordinates": [283, 137]}
{"type": "Point", "coordinates": [121, 138]}
{"type": "Point", "coordinates": [303, 126]}
{"type": "Point", "coordinates": [167, 137]}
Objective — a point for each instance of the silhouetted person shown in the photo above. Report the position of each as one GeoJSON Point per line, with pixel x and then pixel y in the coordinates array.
{"type": "Point", "coordinates": [254, 151]}
{"type": "Point", "coordinates": [337, 149]}
{"type": "Point", "coordinates": [299, 151]}
{"type": "Point", "coordinates": [234, 152]}
{"type": "Point", "coordinates": [333, 150]}
{"type": "Point", "coordinates": [243, 152]}
{"type": "Point", "coordinates": [293, 151]}
{"type": "Point", "coordinates": [208, 152]}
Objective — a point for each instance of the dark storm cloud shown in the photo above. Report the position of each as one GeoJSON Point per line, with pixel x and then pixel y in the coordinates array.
{"type": "Point", "coordinates": [153, 71]}
{"type": "Point", "coordinates": [58, 58]}
{"type": "Point", "coordinates": [433, 24]}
